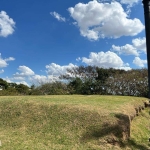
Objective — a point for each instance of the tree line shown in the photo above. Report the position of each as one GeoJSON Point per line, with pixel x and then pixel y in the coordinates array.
{"type": "Point", "coordinates": [87, 80]}
{"type": "Point", "coordinates": [13, 88]}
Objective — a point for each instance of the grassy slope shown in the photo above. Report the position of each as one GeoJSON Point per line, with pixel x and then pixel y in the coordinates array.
{"type": "Point", "coordinates": [70, 122]}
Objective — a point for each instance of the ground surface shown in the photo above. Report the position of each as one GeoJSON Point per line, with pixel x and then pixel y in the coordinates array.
{"type": "Point", "coordinates": [73, 122]}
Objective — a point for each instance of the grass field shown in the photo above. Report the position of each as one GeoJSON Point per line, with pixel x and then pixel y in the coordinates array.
{"type": "Point", "coordinates": [73, 122]}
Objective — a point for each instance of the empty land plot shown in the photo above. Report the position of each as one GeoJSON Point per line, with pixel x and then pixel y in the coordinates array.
{"type": "Point", "coordinates": [73, 122]}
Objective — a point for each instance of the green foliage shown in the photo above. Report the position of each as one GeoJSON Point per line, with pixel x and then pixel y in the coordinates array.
{"type": "Point", "coordinates": [132, 83]}
{"type": "Point", "coordinates": [76, 86]}
{"type": "Point", "coordinates": [108, 81]}
{"type": "Point", "coordinates": [3, 84]}
{"type": "Point", "coordinates": [54, 88]}
{"type": "Point", "coordinates": [103, 75]}
{"type": "Point", "coordinates": [9, 91]}
{"type": "Point", "coordinates": [22, 89]}
{"type": "Point", "coordinates": [87, 80]}
{"type": "Point", "coordinates": [13, 88]}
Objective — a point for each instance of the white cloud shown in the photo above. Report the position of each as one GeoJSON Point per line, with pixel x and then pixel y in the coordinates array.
{"type": "Point", "coordinates": [78, 59]}
{"type": "Point", "coordinates": [139, 62]}
{"type": "Point", "coordinates": [7, 24]}
{"type": "Point", "coordinates": [10, 59]}
{"type": "Point", "coordinates": [21, 77]}
{"type": "Point", "coordinates": [124, 68]}
{"type": "Point", "coordinates": [22, 82]}
{"type": "Point", "coordinates": [3, 62]}
{"type": "Point", "coordinates": [1, 71]}
{"type": "Point", "coordinates": [129, 2]}
{"type": "Point", "coordinates": [99, 20]}
{"type": "Point", "coordinates": [24, 72]}
{"type": "Point", "coordinates": [58, 16]}
{"type": "Point", "coordinates": [105, 60]}
{"type": "Point", "coordinates": [126, 49]}
{"type": "Point", "coordinates": [10, 80]}
{"type": "Point", "coordinates": [26, 75]}
{"type": "Point", "coordinates": [53, 72]}
{"type": "Point", "coordinates": [38, 79]}
{"type": "Point", "coordinates": [55, 69]}
{"type": "Point", "coordinates": [7, 79]}
{"type": "Point", "coordinates": [138, 46]}
{"type": "Point", "coordinates": [41, 79]}
{"type": "Point", "coordinates": [18, 78]}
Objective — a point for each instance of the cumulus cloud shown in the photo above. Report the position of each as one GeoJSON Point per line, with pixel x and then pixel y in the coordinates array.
{"type": "Point", "coordinates": [126, 49]}
{"type": "Point", "coordinates": [99, 20]}
{"type": "Point", "coordinates": [55, 69]}
{"type": "Point", "coordinates": [23, 76]}
{"type": "Point", "coordinates": [10, 59]}
{"type": "Point", "coordinates": [1, 71]}
{"type": "Point", "coordinates": [41, 79]}
{"type": "Point", "coordinates": [18, 78]}
{"type": "Point", "coordinates": [129, 2]}
{"type": "Point", "coordinates": [78, 59]}
{"type": "Point", "coordinates": [138, 46]}
{"type": "Point", "coordinates": [3, 62]}
{"type": "Point", "coordinates": [53, 72]}
{"type": "Point", "coordinates": [7, 79]}
{"type": "Point", "coordinates": [23, 82]}
{"type": "Point", "coordinates": [58, 16]}
{"type": "Point", "coordinates": [11, 80]}
{"type": "Point", "coordinates": [105, 60]}
{"type": "Point", "coordinates": [139, 62]}
{"type": "Point", "coordinates": [24, 72]}
{"type": "Point", "coordinates": [7, 24]}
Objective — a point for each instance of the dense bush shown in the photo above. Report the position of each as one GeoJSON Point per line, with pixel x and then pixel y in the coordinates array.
{"type": "Point", "coordinates": [13, 88]}
{"type": "Point", "coordinates": [54, 88]}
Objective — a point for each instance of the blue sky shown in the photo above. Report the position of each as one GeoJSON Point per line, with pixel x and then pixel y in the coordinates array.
{"type": "Point", "coordinates": [41, 39]}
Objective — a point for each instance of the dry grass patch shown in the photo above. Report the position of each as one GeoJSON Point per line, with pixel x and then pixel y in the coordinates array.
{"type": "Point", "coordinates": [66, 122]}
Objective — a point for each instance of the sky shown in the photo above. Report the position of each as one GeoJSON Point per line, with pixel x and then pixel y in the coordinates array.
{"type": "Point", "coordinates": [40, 39]}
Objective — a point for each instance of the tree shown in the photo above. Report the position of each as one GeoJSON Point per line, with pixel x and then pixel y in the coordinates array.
{"type": "Point", "coordinates": [75, 86]}
{"type": "Point", "coordinates": [3, 84]}
{"type": "Point", "coordinates": [53, 88]}
{"type": "Point", "coordinates": [132, 83]}
{"type": "Point", "coordinates": [95, 80]}
{"type": "Point", "coordinates": [22, 89]}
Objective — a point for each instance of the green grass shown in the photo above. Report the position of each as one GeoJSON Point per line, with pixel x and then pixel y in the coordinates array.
{"type": "Point", "coordinates": [73, 122]}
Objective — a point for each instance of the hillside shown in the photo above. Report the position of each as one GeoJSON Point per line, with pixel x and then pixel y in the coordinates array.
{"type": "Point", "coordinates": [73, 122]}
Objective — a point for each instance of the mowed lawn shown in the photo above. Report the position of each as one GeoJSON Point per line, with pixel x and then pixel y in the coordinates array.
{"type": "Point", "coordinates": [72, 122]}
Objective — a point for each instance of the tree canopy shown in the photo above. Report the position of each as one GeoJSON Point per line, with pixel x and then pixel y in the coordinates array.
{"type": "Point", "coordinates": [87, 80]}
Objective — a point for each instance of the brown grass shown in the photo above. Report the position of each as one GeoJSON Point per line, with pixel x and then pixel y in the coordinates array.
{"type": "Point", "coordinates": [69, 122]}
